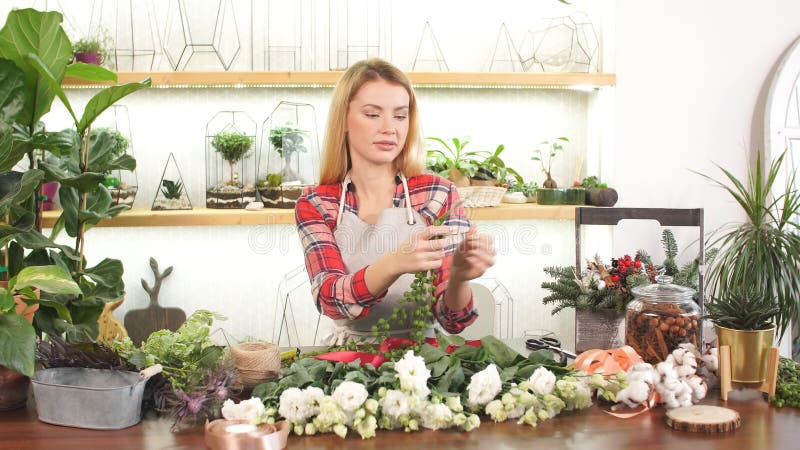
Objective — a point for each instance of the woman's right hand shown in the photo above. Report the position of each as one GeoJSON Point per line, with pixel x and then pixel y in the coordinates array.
{"type": "Point", "coordinates": [424, 249]}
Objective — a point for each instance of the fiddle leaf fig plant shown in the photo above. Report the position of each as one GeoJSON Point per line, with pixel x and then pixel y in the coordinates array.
{"type": "Point", "coordinates": [17, 336]}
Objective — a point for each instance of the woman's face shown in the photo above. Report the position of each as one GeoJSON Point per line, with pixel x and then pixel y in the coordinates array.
{"type": "Point", "coordinates": [377, 123]}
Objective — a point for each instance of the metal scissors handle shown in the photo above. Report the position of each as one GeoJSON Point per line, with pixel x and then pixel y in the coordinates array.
{"type": "Point", "coordinates": [549, 343]}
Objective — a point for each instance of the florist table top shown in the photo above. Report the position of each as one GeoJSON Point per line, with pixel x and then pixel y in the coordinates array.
{"type": "Point", "coordinates": [763, 427]}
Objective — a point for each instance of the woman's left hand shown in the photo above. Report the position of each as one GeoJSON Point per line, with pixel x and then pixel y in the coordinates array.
{"type": "Point", "coordinates": [472, 257]}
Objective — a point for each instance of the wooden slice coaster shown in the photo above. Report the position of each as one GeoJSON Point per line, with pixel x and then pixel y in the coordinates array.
{"type": "Point", "coordinates": [704, 419]}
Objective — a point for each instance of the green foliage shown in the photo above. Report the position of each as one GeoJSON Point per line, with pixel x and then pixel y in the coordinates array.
{"type": "Point", "coordinates": [528, 189]}
{"type": "Point", "coordinates": [592, 182]}
{"type": "Point", "coordinates": [671, 250]}
{"type": "Point", "coordinates": [272, 180]}
{"type": "Point", "coordinates": [762, 253]}
{"type": "Point", "coordinates": [17, 336]}
{"type": "Point", "coordinates": [287, 140]}
{"type": "Point", "coordinates": [743, 310]}
{"type": "Point", "coordinates": [232, 145]}
{"type": "Point", "coordinates": [787, 392]}
{"type": "Point", "coordinates": [493, 168]}
{"type": "Point", "coordinates": [441, 160]}
{"type": "Point", "coordinates": [87, 45]}
{"type": "Point", "coordinates": [172, 190]}
{"type": "Point", "coordinates": [186, 355]}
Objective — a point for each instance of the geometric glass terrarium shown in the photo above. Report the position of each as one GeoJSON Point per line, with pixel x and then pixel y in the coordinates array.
{"type": "Point", "coordinates": [121, 184]}
{"type": "Point", "coordinates": [562, 44]}
{"type": "Point", "coordinates": [288, 158]}
{"type": "Point", "coordinates": [204, 32]}
{"type": "Point", "coordinates": [171, 191]}
{"type": "Point", "coordinates": [230, 183]}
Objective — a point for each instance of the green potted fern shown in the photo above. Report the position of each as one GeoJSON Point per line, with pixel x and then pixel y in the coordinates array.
{"type": "Point", "coordinates": [757, 268]}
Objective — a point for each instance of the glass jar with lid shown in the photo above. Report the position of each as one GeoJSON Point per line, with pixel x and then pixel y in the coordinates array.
{"type": "Point", "coordinates": [660, 318]}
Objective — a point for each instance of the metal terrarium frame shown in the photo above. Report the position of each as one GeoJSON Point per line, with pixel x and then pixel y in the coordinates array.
{"type": "Point", "coordinates": [239, 189]}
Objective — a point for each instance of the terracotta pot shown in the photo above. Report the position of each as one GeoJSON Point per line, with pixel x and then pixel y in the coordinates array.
{"type": "Point", "coordinates": [14, 386]}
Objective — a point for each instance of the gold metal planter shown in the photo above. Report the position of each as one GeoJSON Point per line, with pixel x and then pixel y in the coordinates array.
{"type": "Point", "coordinates": [748, 352]}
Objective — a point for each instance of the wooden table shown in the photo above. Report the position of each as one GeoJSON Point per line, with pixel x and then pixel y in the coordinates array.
{"type": "Point", "coordinates": [763, 427]}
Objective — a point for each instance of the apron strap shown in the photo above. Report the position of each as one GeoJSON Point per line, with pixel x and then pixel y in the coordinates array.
{"type": "Point", "coordinates": [409, 210]}
{"type": "Point", "coordinates": [345, 183]}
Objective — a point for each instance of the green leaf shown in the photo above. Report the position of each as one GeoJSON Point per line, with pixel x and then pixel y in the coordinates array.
{"type": "Point", "coordinates": [107, 273]}
{"type": "Point", "coordinates": [90, 72]}
{"type": "Point", "coordinates": [10, 154]}
{"type": "Point", "coordinates": [59, 143]}
{"type": "Point", "coordinates": [16, 187]}
{"type": "Point", "coordinates": [12, 93]}
{"type": "Point", "coordinates": [69, 204]}
{"type": "Point", "coordinates": [29, 31]}
{"type": "Point", "coordinates": [105, 98]}
{"type": "Point", "coordinates": [52, 81]}
{"type": "Point", "coordinates": [124, 162]}
{"type": "Point", "coordinates": [452, 380]}
{"type": "Point", "coordinates": [50, 279]}
{"type": "Point", "coordinates": [34, 240]}
{"type": "Point", "coordinates": [17, 344]}
{"type": "Point", "coordinates": [85, 182]}
{"type": "Point", "coordinates": [503, 355]}
{"type": "Point", "coordinates": [430, 353]}
{"type": "Point", "coordinates": [61, 310]}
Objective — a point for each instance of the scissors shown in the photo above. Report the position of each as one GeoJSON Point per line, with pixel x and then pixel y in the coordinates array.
{"type": "Point", "coordinates": [549, 343]}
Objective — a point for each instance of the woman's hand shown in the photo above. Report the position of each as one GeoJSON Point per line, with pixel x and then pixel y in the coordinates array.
{"type": "Point", "coordinates": [424, 249]}
{"type": "Point", "coordinates": [473, 256]}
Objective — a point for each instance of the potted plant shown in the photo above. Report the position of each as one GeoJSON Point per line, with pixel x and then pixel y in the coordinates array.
{"type": "Point", "coordinates": [282, 189]}
{"type": "Point", "coordinates": [549, 193]}
{"type": "Point", "coordinates": [599, 293]}
{"type": "Point", "coordinates": [452, 161]}
{"type": "Point", "coordinates": [232, 147]}
{"type": "Point", "coordinates": [492, 171]}
{"type": "Point", "coordinates": [522, 193]}
{"type": "Point", "coordinates": [121, 193]}
{"type": "Point", "coordinates": [745, 321]}
{"type": "Point", "coordinates": [19, 299]}
{"type": "Point", "coordinates": [758, 259]}
{"type": "Point", "coordinates": [92, 49]}
{"type": "Point", "coordinates": [172, 192]}
{"type": "Point", "coordinates": [598, 193]}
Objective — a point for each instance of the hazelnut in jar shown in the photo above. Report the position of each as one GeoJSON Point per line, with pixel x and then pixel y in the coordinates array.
{"type": "Point", "coordinates": [660, 318]}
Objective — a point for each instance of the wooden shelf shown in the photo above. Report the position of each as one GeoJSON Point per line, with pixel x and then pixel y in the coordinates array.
{"type": "Point", "coordinates": [326, 79]}
{"type": "Point", "coordinates": [141, 217]}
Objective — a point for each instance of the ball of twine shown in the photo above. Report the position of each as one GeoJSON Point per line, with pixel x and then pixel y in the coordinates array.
{"type": "Point", "coordinates": [256, 362]}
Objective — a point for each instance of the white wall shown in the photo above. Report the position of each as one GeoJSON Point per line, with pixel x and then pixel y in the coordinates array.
{"type": "Point", "coordinates": [691, 78]}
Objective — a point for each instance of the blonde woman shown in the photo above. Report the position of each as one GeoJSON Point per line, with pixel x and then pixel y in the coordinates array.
{"type": "Point", "coordinates": [367, 227]}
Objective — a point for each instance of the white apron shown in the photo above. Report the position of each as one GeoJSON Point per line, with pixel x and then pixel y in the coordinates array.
{"type": "Point", "coordinates": [361, 244]}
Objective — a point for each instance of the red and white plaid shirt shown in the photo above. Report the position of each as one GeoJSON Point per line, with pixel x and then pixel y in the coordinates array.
{"type": "Point", "coordinates": [342, 295]}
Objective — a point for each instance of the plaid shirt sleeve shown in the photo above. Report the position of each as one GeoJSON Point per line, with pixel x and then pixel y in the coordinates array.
{"type": "Point", "coordinates": [435, 197]}
{"type": "Point", "coordinates": [339, 295]}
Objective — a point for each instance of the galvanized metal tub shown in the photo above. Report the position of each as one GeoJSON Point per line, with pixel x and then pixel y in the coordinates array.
{"type": "Point", "coordinates": [90, 398]}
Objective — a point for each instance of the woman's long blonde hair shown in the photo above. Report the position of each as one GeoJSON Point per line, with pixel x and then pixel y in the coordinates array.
{"type": "Point", "coordinates": [335, 159]}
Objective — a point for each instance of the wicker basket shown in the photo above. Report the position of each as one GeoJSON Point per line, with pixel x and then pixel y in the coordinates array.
{"type": "Point", "coordinates": [480, 196]}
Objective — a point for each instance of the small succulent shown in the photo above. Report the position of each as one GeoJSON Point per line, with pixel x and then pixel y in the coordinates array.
{"type": "Point", "coordinates": [528, 189]}
{"type": "Point", "coordinates": [172, 190]}
{"type": "Point", "coordinates": [272, 180]}
{"type": "Point", "coordinates": [744, 309]}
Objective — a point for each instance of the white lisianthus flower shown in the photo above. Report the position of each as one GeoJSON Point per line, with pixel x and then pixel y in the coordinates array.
{"type": "Point", "coordinates": [294, 406]}
{"type": "Point", "coordinates": [340, 430]}
{"type": "Point", "coordinates": [330, 414]}
{"type": "Point", "coordinates": [251, 410]}
{"type": "Point", "coordinates": [437, 416]}
{"type": "Point", "coordinates": [350, 395]}
{"type": "Point", "coordinates": [311, 429]}
{"type": "Point", "coordinates": [542, 381]}
{"type": "Point", "coordinates": [473, 421]}
{"type": "Point", "coordinates": [366, 427]}
{"type": "Point", "coordinates": [413, 374]}
{"type": "Point", "coordinates": [516, 412]}
{"type": "Point", "coordinates": [484, 386]}
{"type": "Point", "coordinates": [371, 405]}
{"type": "Point", "coordinates": [314, 396]}
{"type": "Point", "coordinates": [454, 403]}
{"type": "Point", "coordinates": [395, 404]}
{"type": "Point", "coordinates": [496, 411]}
